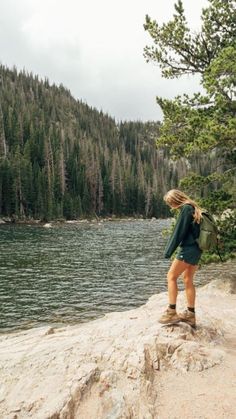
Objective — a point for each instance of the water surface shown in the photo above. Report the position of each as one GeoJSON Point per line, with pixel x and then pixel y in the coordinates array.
{"type": "Point", "coordinates": [75, 272]}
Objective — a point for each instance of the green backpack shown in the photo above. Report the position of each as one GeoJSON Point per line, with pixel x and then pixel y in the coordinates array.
{"type": "Point", "coordinates": [208, 237]}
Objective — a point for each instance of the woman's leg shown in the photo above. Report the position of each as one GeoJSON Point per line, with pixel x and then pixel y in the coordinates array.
{"type": "Point", "coordinates": [176, 269]}
{"type": "Point", "coordinates": [188, 283]}
{"type": "Point", "coordinates": [188, 316]}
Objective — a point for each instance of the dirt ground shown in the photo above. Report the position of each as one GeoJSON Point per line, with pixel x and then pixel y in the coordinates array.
{"type": "Point", "coordinates": [209, 394]}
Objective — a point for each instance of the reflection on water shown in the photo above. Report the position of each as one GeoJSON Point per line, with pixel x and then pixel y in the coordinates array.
{"type": "Point", "coordinates": [77, 272]}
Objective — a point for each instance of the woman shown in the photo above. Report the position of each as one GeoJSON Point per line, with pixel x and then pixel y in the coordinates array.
{"type": "Point", "coordinates": [186, 231]}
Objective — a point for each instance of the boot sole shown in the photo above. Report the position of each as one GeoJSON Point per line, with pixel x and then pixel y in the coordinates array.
{"type": "Point", "coordinates": [170, 321]}
{"type": "Point", "coordinates": [193, 325]}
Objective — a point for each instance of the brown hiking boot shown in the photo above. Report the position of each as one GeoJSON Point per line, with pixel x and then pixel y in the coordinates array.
{"type": "Point", "coordinates": [189, 317]}
{"type": "Point", "coordinates": [169, 317]}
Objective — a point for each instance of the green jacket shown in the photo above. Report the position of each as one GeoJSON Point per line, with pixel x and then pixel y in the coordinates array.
{"type": "Point", "coordinates": [185, 231]}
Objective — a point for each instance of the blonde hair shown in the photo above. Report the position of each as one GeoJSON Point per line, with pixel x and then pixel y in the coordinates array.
{"type": "Point", "coordinates": [176, 199]}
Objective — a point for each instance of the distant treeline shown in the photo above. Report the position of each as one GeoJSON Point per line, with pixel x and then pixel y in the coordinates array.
{"type": "Point", "coordinates": [60, 158]}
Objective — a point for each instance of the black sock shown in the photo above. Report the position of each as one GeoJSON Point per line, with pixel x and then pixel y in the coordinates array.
{"type": "Point", "coordinates": [172, 306]}
{"type": "Point", "coordinates": [192, 309]}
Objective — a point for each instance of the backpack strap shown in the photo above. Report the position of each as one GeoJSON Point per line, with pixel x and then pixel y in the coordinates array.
{"type": "Point", "coordinates": [217, 247]}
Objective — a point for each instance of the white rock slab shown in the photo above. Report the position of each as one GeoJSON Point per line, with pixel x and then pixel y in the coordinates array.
{"type": "Point", "coordinates": [108, 368]}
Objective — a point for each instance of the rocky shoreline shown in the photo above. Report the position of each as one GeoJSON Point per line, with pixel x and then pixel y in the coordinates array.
{"type": "Point", "coordinates": [112, 367]}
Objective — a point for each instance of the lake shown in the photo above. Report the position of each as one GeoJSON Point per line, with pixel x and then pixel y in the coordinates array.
{"type": "Point", "coordinates": [75, 272]}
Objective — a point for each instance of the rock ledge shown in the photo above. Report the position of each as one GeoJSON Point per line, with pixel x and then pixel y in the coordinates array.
{"type": "Point", "coordinates": [109, 368]}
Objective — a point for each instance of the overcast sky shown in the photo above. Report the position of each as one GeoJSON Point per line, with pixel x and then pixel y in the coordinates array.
{"type": "Point", "coordinates": [94, 48]}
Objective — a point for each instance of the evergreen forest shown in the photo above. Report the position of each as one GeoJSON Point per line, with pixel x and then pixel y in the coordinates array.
{"type": "Point", "coordinates": [61, 159]}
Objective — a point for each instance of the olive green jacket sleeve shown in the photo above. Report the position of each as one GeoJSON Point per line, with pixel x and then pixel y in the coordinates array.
{"type": "Point", "coordinates": [181, 229]}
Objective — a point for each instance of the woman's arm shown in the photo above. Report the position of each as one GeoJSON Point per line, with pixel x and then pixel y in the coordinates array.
{"type": "Point", "coordinates": [180, 230]}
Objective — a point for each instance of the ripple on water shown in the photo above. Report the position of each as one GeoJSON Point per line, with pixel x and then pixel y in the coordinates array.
{"type": "Point", "coordinates": [77, 272]}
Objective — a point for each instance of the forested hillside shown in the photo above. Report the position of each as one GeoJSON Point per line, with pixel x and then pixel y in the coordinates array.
{"type": "Point", "coordinates": [60, 158]}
